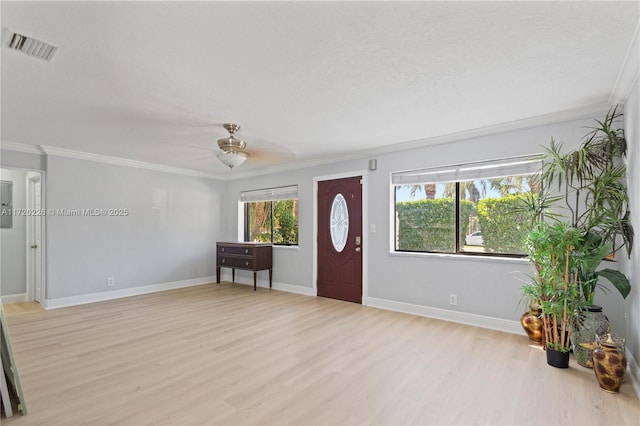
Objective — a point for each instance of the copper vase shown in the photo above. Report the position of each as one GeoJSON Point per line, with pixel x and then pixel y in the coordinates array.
{"type": "Point", "coordinates": [532, 323]}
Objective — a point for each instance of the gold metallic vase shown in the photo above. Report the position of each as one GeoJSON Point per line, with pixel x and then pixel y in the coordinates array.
{"type": "Point", "coordinates": [609, 362]}
{"type": "Point", "coordinates": [532, 323]}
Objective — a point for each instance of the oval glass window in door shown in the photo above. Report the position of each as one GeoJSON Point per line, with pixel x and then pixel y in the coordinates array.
{"type": "Point", "coordinates": [339, 224]}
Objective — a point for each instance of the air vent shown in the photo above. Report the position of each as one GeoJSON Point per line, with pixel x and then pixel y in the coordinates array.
{"type": "Point", "coordinates": [31, 46]}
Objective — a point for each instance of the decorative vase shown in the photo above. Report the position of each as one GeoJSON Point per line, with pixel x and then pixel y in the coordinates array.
{"type": "Point", "coordinates": [589, 323]}
{"type": "Point", "coordinates": [609, 362]}
{"type": "Point", "coordinates": [532, 323]}
{"type": "Point", "coordinates": [557, 359]}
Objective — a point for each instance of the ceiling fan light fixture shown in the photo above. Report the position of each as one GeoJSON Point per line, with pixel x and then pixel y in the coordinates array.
{"type": "Point", "coordinates": [232, 158]}
{"type": "Point", "coordinates": [233, 153]}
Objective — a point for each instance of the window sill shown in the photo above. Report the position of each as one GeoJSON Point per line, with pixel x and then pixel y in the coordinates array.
{"type": "Point", "coordinates": [462, 257]}
{"type": "Point", "coordinates": [279, 247]}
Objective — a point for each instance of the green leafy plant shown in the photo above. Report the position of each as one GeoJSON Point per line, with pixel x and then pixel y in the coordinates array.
{"type": "Point", "coordinates": [553, 250]}
{"type": "Point", "coordinates": [593, 199]}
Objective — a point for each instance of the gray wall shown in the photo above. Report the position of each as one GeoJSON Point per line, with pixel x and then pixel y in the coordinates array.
{"type": "Point", "coordinates": [291, 264]}
{"type": "Point", "coordinates": [632, 266]}
{"type": "Point", "coordinates": [169, 234]}
{"type": "Point", "coordinates": [22, 160]}
{"type": "Point", "coordinates": [485, 286]}
{"type": "Point", "coordinates": [13, 242]}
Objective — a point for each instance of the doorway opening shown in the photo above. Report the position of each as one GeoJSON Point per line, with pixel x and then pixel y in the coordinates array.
{"type": "Point", "coordinates": [22, 252]}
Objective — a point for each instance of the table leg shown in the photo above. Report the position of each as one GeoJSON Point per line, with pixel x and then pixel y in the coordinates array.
{"type": "Point", "coordinates": [255, 280]}
{"type": "Point", "coordinates": [233, 275]}
{"type": "Point", "coordinates": [217, 275]}
{"type": "Point", "coordinates": [270, 276]}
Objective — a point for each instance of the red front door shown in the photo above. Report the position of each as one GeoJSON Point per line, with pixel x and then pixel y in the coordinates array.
{"type": "Point", "coordinates": [340, 239]}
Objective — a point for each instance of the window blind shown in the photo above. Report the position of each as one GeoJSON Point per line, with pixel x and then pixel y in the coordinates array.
{"type": "Point", "coordinates": [513, 166]}
{"type": "Point", "coordinates": [270, 194]}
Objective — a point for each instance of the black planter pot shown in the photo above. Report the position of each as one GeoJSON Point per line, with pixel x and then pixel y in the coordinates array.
{"type": "Point", "coordinates": [557, 359]}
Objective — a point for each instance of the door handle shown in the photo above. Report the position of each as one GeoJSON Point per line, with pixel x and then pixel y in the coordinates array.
{"type": "Point", "coordinates": [35, 246]}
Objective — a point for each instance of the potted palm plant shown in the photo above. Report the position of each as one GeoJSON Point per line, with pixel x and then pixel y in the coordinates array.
{"type": "Point", "coordinates": [590, 181]}
{"type": "Point", "coordinates": [592, 201]}
{"type": "Point", "coordinates": [594, 196]}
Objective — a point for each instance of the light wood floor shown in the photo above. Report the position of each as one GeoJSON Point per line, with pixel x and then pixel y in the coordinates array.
{"type": "Point", "coordinates": [225, 355]}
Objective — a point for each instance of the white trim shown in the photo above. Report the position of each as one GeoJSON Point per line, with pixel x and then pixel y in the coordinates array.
{"type": "Point", "coordinates": [633, 372]}
{"type": "Point", "coordinates": [499, 324]}
{"type": "Point", "coordinates": [458, 256]}
{"type": "Point", "coordinates": [14, 298]}
{"type": "Point", "coordinates": [62, 152]}
{"type": "Point", "coordinates": [125, 292]}
{"type": "Point", "coordinates": [587, 111]}
{"type": "Point", "coordinates": [298, 289]}
{"type": "Point", "coordinates": [20, 147]}
{"type": "Point", "coordinates": [240, 222]}
{"type": "Point", "coordinates": [264, 283]}
{"type": "Point", "coordinates": [629, 72]}
{"type": "Point", "coordinates": [366, 235]}
{"type": "Point", "coordinates": [365, 227]}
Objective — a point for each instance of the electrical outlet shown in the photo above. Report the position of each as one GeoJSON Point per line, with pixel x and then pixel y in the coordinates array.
{"type": "Point", "coordinates": [111, 282]}
{"type": "Point", "coordinates": [453, 299]}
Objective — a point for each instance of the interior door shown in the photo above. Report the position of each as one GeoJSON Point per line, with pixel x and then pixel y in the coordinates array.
{"type": "Point", "coordinates": [340, 239]}
{"type": "Point", "coordinates": [34, 238]}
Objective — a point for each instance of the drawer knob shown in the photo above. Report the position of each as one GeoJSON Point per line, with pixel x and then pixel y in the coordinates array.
{"type": "Point", "coordinates": [246, 263]}
{"type": "Point", "coordinates": [246, 250]}
{"type": "Point", "coordinates": [224, 260]}
{"type": "Point", "coordinates": [222, 249]}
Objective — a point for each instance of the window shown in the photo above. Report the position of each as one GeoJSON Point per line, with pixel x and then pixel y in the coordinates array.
{"type": "Point", "coordinates": [271, 215]}
{"type": "Point", "coordinates": [470, 209]}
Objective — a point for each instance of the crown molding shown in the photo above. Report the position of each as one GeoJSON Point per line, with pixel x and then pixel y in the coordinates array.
{"type": "Point", "coordinates": [629, 72]}
{"type": "Point", "coordinates": [588, 111]}
{"type": "Point", "coordinates": [20, 147]}
{"type": "Point", "coordinates": [117, 161]}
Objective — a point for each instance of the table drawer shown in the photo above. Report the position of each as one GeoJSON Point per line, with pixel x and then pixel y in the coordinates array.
{"type": "Point", "coordinates": [235, 262]}
{"type": "Point", "coordinates": [247, 251]}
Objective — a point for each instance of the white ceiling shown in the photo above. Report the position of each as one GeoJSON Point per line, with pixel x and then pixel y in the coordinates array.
{"type": "Point", "coordinates": [154, 81]}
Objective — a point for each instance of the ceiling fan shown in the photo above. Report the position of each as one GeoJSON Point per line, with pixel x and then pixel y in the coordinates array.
{"type": "Point", "coordinates": [233, 149]}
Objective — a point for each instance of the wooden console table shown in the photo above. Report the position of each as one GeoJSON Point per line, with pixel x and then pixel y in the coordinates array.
{"type": "Point", "coordinates": [248, 256]}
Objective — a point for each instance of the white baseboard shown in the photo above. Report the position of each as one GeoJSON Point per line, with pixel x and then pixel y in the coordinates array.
{"type": "Point", "coordinates": [492, 323]}
{"type": "Point", "coordinates": [307, 291]}
{"type": "Point", "coordinates": [633, 372]}
{"type": "Point", "coordinates": [14, 298]}
{"type": "Point", "coordinates": [290, 288]}
{"type": "Point", "coordinates": [125, 292]}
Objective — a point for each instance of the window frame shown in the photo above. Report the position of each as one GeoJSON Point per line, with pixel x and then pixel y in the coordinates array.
{"type": "Point", "coordinates": [268, 195]}
{"type": "Point", "coordinates": [535, 159]}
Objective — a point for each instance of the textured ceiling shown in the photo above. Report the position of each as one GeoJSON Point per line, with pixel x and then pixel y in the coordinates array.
{"type": "Point", "coordinates": [154, 81]}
